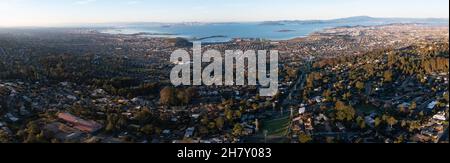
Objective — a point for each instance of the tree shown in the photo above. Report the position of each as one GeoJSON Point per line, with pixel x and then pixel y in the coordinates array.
{"type": "Point", "coordinates": [40, 138]}
{"type": "Point", "coordinates": [121, 122]}
{"type": "Point", "coordinates": [400, 139]}
{"type": "Point", "coordinates": [377, 122]}
{"type": "Point", "coordinates": [360, 121]}
{"type": "Point", "coordinates": [229, 114]}
{"type": "Point", "coordinates": [304, 138]}
{"type": "Point", "coordinates": [413, 106]}
{"type": "Point", "coordinates": [359, 85]}
{"type": "Point", "coordinates": [147, 129]}
{"type": "Point", "coordinates": [109, 127]}
{"type": "Point", "coordinates": [205, 120]}
{"type": "Point", "coordinates": [33, 128]}
{"type": "Point", "coordinates": [4, 137]}
{"type": "Point", "coordinates": [330, 140]}
{"type": "Point", "coordinates": [385, 117]}
{"type": "Point", "coordinates": [192, 92]}
{"type": "Point", "coordinates": [238, 113]}
{"type": "Point", "coordinates": [413, 125]}
{"type": "Point", "coordinates": [143, 116]}
{"type": "Point", "coordinates": [344, 112]}
{"type": "Point", "coordinates": [387, 76]}
{"type": "Point", "coordinates": [157, 130]}
{"type": "Point", "coordinates": [237, 130]}
{"type": "Point", "coordinates": [403, 123]}
{"type": "Point", "coordinates": [183, 97]}
{"type": "Point", "coordinates": [212, 125]}
{"type": "Point", "coordinates": [203, 130]}
{"type": "Point", "coordinates": [168, 96]}
{"type": "Point", "coordinates": [391, 121]}
{"type": "Point", "coordinates": [114, 122]}
{"type": "Point", "coordinates": [220, 123]}
{"type": "Point", "coordinates": [421, 114]}
{"type": "Point", "coordinates": [255, 106]}
{"type": "Point", "coordinates": [362, 125]}
{"type": "Point", "coordinates": [402, 109]}
{"type": "Point", "coordinates": [327, 94]}
{"type": "Point", "coordinates": [291, 72]}
{"type": "Point", "coordinates": [347, 96]}
{"type": "Point", "coordinates": [310, 81]}
{"type": "Point", "coordinates": [34, 133]}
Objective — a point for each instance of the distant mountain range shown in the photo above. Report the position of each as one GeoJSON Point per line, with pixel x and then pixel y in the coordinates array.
{"type": "Point", "coordinates": [359, 19]}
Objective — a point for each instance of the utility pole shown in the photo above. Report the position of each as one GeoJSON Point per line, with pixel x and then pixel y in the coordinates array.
{"type": "Point", "coordinates": [281, 111]}
{"type": "Point", "coordinates": [292, 112]}
{"type": "Point", "coordinates": [257, 125]}
{"type": "Point", "coordinates": [265, 136]}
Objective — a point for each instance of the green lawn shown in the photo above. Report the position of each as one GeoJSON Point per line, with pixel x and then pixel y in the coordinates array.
{"type": "Point", "coordinates": [366, 108]}
{"type": "Point", "coordinates": [276, 127]}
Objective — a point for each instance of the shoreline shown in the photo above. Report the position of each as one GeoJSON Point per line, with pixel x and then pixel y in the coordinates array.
{"type": "Point", "coordinates": [227, 39]}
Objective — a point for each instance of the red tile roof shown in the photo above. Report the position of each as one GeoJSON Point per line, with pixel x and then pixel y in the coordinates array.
{"type": "Point", "coordinates": [80, 124]}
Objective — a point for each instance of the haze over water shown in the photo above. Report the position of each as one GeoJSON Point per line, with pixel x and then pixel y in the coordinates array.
{"type": "Point", "coordinates": [276, 30]}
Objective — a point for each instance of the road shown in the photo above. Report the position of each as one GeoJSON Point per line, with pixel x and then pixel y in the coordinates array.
{"type": "Point", "coordinates": [298, 86]}
{"type": "Point", "coordinates": [296, 91]}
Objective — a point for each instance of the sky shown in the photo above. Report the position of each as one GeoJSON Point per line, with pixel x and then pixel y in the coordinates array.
{"type": "Point", "coordinates": [65, 12]}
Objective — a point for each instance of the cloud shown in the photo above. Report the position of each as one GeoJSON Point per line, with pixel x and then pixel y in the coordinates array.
{"type": "Point", "coordinates": [84, 2]}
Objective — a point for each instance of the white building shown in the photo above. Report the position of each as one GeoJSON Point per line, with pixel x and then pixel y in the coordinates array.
{"type": "Point", "coordinates": [301, 110]}
{"type": "Point", "coordinates": [440, 116]}
{"type": "Point", "coordinates": [432, 105]}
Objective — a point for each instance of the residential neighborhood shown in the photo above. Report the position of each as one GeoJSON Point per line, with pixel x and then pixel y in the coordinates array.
{"type": "Point", "coordinates": [363, 84]}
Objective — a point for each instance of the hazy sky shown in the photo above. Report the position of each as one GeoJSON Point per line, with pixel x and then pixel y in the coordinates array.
{"type": "Point", "coordinates": [59, 12]}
